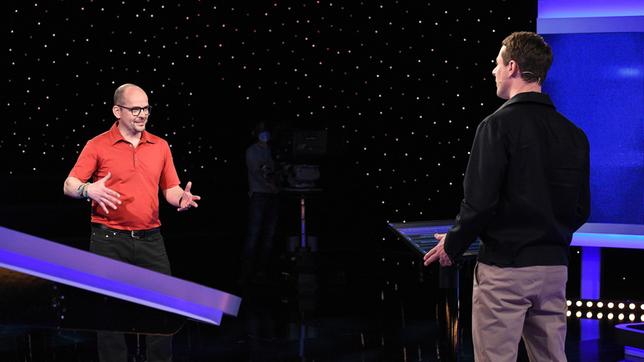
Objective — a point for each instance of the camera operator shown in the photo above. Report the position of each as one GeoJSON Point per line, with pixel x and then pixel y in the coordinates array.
{"type": "Point", "coordinates": [263, 208]}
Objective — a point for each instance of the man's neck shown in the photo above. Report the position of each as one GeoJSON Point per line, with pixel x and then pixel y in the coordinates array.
{"type": "Point", "coordinates": [133, 138]}
{"type": "Point", "coordinates": [525, 88]}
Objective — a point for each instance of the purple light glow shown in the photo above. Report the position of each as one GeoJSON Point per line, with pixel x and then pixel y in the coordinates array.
{"type": "Point", "coordinates": [589, 8]}
{"type": "Point", "coordinates": [590, 16]}
{"type": "Point", "coordinates": [577, 25]}
{"type": "Point", "coordinates": [598, 240]}
{"type": "Point", "coordinates": [589, 329]}
{"type": "Point", "coordinates": [591, 260]}
{"type": "Point", "coordinates": [629, 327]}
{"type": "Point", "coordinates": [635, 337]}
{"type": "Point", "coordinates": [45, 259]}
{"type": "Point", "coordinates": [632, 351]}
{"type": "Point", "coordinates": [426, 230]}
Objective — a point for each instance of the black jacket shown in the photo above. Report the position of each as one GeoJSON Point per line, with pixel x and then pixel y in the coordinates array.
{"type": "Point", "coordinates": [526, 188]}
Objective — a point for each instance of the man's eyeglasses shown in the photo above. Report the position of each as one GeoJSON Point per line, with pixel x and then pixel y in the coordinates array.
{"type": "Point", "coordinates": [137, 110]}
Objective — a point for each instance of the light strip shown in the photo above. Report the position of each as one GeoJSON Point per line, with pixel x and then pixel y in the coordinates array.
{"type": "Point", "coordinates": [600, 240]}
{"type": "Point", "coordinates": [586, 8]}
{"type": "Point", "coordinates": [52, 261]}
{"type": "Point", "coordinates": [583, 16]}
{"type": "Point", "coordinates": [576, 25]}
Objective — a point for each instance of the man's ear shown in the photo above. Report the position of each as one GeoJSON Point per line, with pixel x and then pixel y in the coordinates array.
{"type": "Point", "coordinates": [116, 110]}
{"type": "Point", "coordinates": [513, 68]}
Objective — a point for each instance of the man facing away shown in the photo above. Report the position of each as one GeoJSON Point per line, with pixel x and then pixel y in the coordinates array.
{"type": "Point", "coordinates": [526, 190]}
{"type": "Point", "coordinates": [126, 166]}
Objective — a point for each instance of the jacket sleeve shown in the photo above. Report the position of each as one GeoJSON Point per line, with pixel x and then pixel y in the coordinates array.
{"type": "Point", "coordinates": [484, 177]}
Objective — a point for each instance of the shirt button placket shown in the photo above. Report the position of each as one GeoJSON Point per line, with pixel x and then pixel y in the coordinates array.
{"type": "Point", "coordinates": [133, 155]}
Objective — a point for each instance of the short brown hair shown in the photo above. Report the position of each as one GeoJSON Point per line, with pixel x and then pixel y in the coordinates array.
{"type": "Point", "coordinates": [532, 54]}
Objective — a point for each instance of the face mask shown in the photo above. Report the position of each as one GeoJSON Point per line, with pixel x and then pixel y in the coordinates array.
{"type": "Point", "coordinates": [264, 136]}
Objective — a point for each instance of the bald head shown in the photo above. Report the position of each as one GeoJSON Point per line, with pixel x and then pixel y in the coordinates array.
{"type": "Point", "coordinates": [120, 94]}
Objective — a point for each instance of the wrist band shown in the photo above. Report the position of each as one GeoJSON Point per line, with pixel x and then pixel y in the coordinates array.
{"type": "Point", "coordinates": [82, 190]}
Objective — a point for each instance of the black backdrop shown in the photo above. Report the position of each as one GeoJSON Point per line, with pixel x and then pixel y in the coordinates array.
{"type": "Point", "coordinates": [399, 86]}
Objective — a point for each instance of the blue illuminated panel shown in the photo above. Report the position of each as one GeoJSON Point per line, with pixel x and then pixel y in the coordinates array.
{"type": "Point", "coordinates": [597, 80]}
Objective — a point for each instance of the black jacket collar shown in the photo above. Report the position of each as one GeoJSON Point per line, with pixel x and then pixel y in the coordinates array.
{"type": "Point", "coordinates": [529, 97]}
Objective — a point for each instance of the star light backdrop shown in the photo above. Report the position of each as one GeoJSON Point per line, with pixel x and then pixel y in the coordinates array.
{"type": "Point", "coordinates": [400, 87]}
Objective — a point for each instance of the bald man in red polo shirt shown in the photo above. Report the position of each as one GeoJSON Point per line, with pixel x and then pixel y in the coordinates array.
{"type": "Point", "coordinates": [121, 171]}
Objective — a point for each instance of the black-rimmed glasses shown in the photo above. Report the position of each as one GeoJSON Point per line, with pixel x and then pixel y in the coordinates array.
{"type": "Point", "coordinates": [137, 110]}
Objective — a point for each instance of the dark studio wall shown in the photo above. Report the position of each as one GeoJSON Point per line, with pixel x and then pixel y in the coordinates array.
{"type": "Point", "coordinates": [399, 87]}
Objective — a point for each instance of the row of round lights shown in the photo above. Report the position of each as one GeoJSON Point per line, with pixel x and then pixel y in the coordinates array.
{"type": "Point", "coordinates": [608, 305]}
{"type": "Point", "coordinates": [605, 310]}
{"type": "Point", "coordinates": [610, 316]}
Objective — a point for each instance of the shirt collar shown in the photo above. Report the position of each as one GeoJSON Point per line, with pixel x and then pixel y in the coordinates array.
{"type": "Point", "coordinates": [529, 97]}
{"type": "Point", "coordinates": [116, 136]}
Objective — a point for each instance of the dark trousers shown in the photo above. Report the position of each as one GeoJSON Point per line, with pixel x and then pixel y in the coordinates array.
{"type": "Point", "coordinates": [147, 251]}
{"type": "Point", "coordinates": [263, 211]}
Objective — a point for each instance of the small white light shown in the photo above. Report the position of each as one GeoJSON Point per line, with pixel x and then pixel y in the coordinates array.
{"type": "Point", "coordinates": [610, 316]}
{"type": "Point", "coordinates": [578, 303]}
{"type": "Point", "coordinates": [600, 305]}
{"type": "Point", "coordinates": [611, 304]}
{"type": "Point", "coordinates": [600, 315]}
{"type": "Point", "coordinates": [631, 317]}
{"type": "Point", "coordinates": [569, 303]}
{"type": "Point", "coordinates": [578, 314]}
{"type": "Point", "coordinates": [642, 317]}
{"type": "Point", "coordinates": [569, 313]}
{"type": "Point", "coordinates": [631, 306]}
{"type": "Point", "coordinates": [620, 316]}
{"type": "Point", "coordinates": [620, 306]}
{"type": "Point", "coordinates": [589, 315]}
{"type": "Point", "coordinates": [642, 306]}
{"type": "Point", "coordinates": [589, 304]}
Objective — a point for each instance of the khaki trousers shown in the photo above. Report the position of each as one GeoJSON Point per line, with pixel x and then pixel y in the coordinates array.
{"type": "Point", "coordinates": [510, 303]}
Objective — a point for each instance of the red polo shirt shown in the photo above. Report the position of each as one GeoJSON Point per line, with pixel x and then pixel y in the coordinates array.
{"type": "Point", "coordinates": [137, 174]}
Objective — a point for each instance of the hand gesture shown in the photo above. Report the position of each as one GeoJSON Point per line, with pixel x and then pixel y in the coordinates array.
{"type": "Point", "coordinates": [187, 199]}
{"type": "Point", "coordinates": [102, 195]}
{"type": "Point", "coordinates": [438, 252]}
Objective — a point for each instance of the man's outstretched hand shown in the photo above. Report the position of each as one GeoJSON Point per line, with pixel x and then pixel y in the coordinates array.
{"type": "Point", "coordinates": [187, 199]}
{"type": "Point", "coordinates": [438, 252]}
{"type": "Point", "coordinates": [104, 196]}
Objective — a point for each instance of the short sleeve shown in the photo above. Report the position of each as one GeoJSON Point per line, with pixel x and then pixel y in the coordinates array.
{"type": "Point", "coordinates": [169, 177]}
{"type": "Point", "coordinates": [86, 163]}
